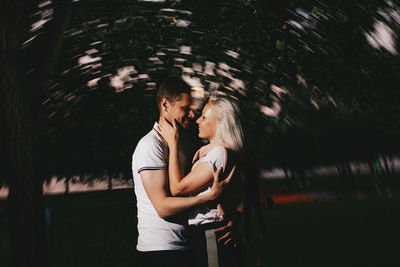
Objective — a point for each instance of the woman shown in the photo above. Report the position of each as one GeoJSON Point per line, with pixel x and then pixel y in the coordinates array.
{"type": "Point", "coordinates": [219, 124]}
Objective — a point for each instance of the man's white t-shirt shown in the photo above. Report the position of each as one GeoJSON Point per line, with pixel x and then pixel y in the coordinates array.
{"type": "Point", "coordinates": [155, 233]}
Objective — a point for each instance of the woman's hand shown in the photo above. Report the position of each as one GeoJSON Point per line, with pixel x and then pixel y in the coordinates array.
{"type": "Point", "coordinates": [218, 186]}
{"type": "Point", "coordinates": [169, 132]}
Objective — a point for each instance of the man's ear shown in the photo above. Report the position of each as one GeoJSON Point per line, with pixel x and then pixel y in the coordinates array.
{"type": "Point", "coordinates": [164, 105]}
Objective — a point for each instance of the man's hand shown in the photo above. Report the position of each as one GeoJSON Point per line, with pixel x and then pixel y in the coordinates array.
{"type": "Point", "coordinates": [218, 186]}
{"type": "Point", "coordinates": [229, 235]}
{"type": "Point", "coordinates": [228, 231]}
{"type": "Point", "coordinates": [169, 131]}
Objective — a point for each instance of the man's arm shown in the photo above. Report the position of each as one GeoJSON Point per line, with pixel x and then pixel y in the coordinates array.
{"type": "Point", "coordinates": [155, 183]}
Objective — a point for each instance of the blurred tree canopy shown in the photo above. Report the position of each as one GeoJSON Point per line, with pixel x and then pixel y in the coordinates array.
{"type": "Point", "coordinates": [317, 52]}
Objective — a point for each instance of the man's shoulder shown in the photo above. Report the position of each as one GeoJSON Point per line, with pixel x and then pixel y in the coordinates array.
{"type": "Point", "coordinates": [150, 142]}
{"type": "Point", "coordinates": [150, 152]}
{"type": "Point", "coordinates": [151, 138]}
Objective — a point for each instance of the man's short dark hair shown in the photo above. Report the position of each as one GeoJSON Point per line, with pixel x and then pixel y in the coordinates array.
{"type": "Point", "coordinates": [172, 89]}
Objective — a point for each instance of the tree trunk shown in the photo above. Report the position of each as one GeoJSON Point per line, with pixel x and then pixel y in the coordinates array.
{"type": "Point", "coordinates": [109, 177]}
{"type": "Point", "coordinates": [21, 109]}
{"type": "Point", "coordinates": [67, 180]}
{"type": "Point", "coordinates": [287, 173]}
{"type": "Point", "coordinates": [26, 204]}
{"type": "Point", "coordinates": [20, 101]}
{"type": "Point", "coordinates": [386, 160]}
{"type": "Point", "coordinates": [371, 167]}
{"type": "Point", "coordinates": [340, 170]}
{"type": "Point", "coordinates": [347, 169]}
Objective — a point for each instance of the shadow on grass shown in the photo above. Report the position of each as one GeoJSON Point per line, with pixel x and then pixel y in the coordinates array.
{"type": "Point", "coordinates": [99, 228]}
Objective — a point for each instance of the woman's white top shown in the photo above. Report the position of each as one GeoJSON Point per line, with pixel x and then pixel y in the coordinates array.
{"type": "Point", "coordinates": [215, 156]}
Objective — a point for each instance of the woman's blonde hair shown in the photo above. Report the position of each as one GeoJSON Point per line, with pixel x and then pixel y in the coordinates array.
{"type": "Point", "coordinates": [229, 127]}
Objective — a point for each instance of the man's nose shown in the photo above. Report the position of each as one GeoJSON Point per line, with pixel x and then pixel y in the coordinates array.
{"type": "Point", "coordinates": [191, 114]}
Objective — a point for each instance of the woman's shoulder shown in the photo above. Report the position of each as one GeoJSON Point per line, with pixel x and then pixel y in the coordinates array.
{"type": "Point", "coordinates": [219, 151]}
{"type": "Point", "coordinates": [218, 148]}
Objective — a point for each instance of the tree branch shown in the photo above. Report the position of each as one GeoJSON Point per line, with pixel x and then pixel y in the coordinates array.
{"type": "Point", "coordinates": [54, 37]}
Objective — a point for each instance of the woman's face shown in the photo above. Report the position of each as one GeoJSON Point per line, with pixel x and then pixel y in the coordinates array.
{"type": "Point", "coordinates": [207, 123]}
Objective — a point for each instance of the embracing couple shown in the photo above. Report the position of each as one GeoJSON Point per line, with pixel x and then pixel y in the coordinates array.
{"type": "Point", "coordinates": [184, 200]}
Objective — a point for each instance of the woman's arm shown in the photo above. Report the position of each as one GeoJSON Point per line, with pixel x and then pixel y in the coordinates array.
{"type": "Point", "coordinates": [179, 185]}
{"type": "Point", "coordinates": [195, 180]}
{"type": "Point", "coordinates": [156, 187]}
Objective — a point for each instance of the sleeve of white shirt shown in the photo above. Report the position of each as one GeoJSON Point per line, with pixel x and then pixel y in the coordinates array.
{"type": "Point", "coordinates": [216, 158]}
{"type": "Point", "coordinates": [150, 156]}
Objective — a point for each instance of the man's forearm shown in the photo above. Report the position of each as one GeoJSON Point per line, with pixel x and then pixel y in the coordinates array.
{"type": "Point", "coordinates": [169, 206]}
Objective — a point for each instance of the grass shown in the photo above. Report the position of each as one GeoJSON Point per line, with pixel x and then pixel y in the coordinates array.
{"type": "Point", "coordinates": [93, 229]}
{"type": "Point", "coordinates": [340, 233]}
{"type": "Point", "coordinates": [99, 229]}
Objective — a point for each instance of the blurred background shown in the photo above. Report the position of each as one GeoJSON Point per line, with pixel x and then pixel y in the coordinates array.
{"type": "Point", "coordinates": [318, 86]}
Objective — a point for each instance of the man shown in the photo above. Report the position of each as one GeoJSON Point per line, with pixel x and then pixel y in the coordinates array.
{"type": "Point", "coordinates": [163, 233]}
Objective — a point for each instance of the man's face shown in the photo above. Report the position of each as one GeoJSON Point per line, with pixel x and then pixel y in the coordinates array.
{"type": "Point", "coordinates": [181, 111]}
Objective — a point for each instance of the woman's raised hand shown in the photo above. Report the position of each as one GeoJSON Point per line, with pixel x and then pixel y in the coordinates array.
{"type": "Point", "coordinates": [169, 131]}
